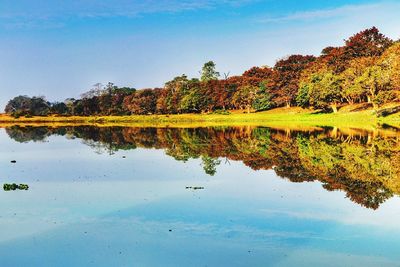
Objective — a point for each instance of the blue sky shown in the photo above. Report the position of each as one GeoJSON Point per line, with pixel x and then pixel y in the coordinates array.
{"type": "Point", "coordinates": [61, 48]}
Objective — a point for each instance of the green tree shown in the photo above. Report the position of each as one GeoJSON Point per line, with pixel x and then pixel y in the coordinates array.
{"type": "Point", "coordinates": [390, 61]}
{"type": "Point", "coordinates": [59, 108]}
{"type": "Point", "coordinates": [172, 93]}
{"type": "Point", "coordinates": [245, 96]}
{"type": "Point", "coordinates": [263, 98]}
{"type": "Point", "coordinates": [351, 92]}
{"type": "Point", "coordinates": [209, 72]}
{"type": "Point", "coordinates": [192, 101]}
{"type": "Point", "coordinates": [372, 81]}
{"type": "Point", "coordinates": [326, 90]}
{"type": "Point", "coordinates": [27, 106]}
{"type": "Point", "coordinates": [303, 95]}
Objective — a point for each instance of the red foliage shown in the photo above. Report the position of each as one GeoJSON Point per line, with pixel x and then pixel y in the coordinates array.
{"type": "Point", "coordinates": [367, 43]}
{"type": "Point", "coordinates": [286, 78]}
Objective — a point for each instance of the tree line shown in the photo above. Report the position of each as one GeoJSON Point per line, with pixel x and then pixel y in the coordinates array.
{"type": "Point", "coordinates": [365, 69]}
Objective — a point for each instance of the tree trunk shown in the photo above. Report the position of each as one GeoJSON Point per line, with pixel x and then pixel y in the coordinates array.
{"type": "Point", "coordinates": [369, 141]}
{"type": "Point", "coordinates": [334, 132]}
{"type": "Point", "coordinates": [287, 132]}
{"type": "Point", "coordinates": [350, 101]}
{"type": "Point", "coordinates": [369, 99]}
{"type": "Point", "coordinates": [248, 109]}
{"type": "Point", "coordinates": [334, 107]}
{"type": "Point", "coordinates": [288, 104]}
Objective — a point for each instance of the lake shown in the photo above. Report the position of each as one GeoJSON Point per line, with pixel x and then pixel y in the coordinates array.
{"type": "Point", "coordinates": [225, 196]}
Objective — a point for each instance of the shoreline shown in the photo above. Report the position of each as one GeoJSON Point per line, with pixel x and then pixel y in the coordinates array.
{"type": "Point", "coordinates": [365, 119]}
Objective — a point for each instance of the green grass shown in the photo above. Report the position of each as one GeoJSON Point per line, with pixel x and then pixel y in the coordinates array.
{"type": "Point", "coordinates": [292, 117]}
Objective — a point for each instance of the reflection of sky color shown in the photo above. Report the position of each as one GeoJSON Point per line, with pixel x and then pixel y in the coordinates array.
{"type": "Point", "coordinates": [88, 209]}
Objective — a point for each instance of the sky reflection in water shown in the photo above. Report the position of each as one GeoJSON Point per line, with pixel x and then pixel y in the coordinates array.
{"type": "Point", "coordinates": [131, 207]}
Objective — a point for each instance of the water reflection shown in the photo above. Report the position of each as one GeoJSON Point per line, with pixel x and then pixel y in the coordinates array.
{"type": "Point", "coordinates": [364, 164]}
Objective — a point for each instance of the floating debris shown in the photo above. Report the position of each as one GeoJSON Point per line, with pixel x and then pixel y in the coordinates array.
{"type": "Point", "coordinates": [13, 187]}
{"type": "Point", "coordinates": [13, 161]}
{"type": "Point", "coordinates": [195, 187]}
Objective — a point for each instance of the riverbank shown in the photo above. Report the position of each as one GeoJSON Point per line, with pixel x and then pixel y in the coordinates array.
{"type": "Point", "coordinates": [276, 117]}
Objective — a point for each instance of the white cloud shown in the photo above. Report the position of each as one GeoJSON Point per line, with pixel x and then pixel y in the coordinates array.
{"type": "Point", "coordinates": [52, 10]}
{"type": "Point", "coordinates": [343, 11]}
{"type": "Point", "coordinates": [53, 14]}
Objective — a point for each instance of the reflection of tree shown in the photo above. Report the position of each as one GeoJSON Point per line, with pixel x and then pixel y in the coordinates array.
{"type": "Point", "coordinates": [370, 194]}
{"type": "Point", "coordinates": [210, 165]}
{"type": "Point", "coordinates": [366, 167]}
{"type": "Point", "coordinates": [365, 172]}
{"type": "Point", "coordinates": [21, 135]}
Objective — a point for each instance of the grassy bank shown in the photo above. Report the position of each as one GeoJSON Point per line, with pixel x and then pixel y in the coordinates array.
{"type": "Point", "coordinates": [277, 117]}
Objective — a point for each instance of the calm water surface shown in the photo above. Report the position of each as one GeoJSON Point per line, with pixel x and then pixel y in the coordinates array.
{"type": "Point", "coordinates": [200, 197]}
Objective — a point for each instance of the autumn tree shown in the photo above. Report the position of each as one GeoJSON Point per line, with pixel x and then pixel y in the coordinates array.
{"type": "Point", "coordinates": [260, 73]}
{"type": "Point", "coordinates": [141, 101]}
{"type": "Point", "coordinates": [334, 58]}
{"type": "Point", "coordinates": [117, 99]}
{"type": "Point", "coordinates": [367, 43]}
{"type": "Point", "coordinates": [287, 75]}
{"type": "Point", "coordinates": [218, 93]}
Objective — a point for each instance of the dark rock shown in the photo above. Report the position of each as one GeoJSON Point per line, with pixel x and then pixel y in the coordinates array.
{"type": "Point", "coordinates": [14, 186]}
{"type": "Point", "coordinates": [195, 187]}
